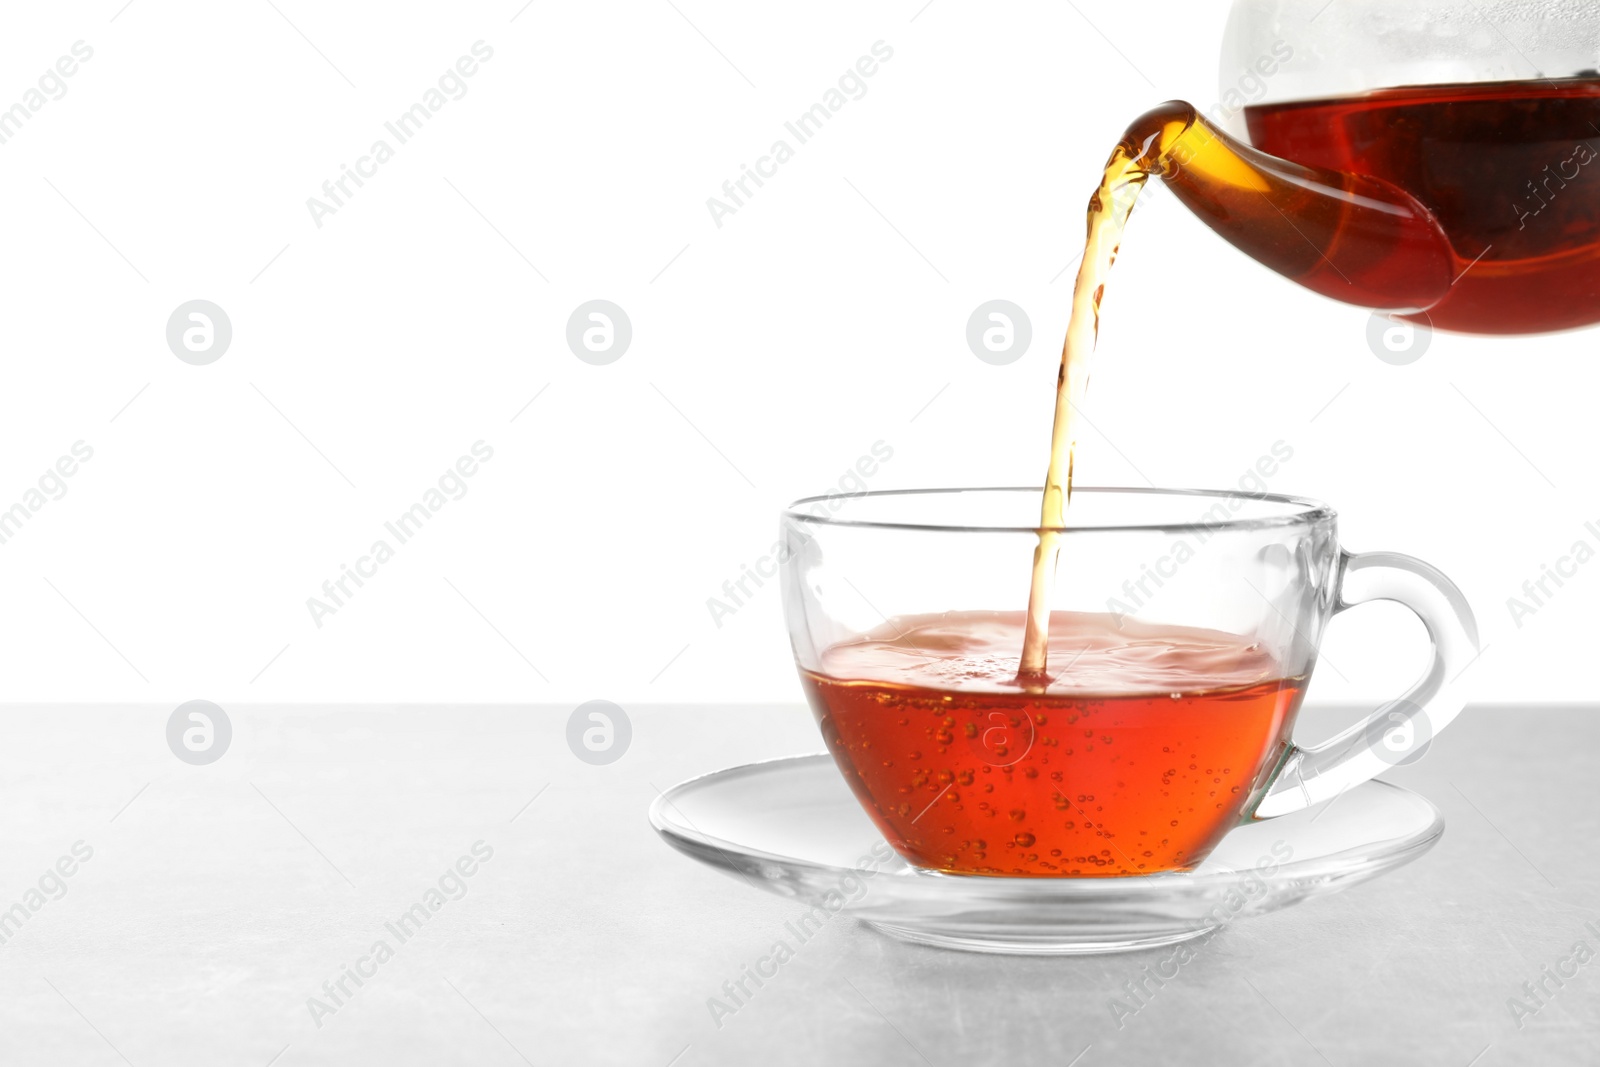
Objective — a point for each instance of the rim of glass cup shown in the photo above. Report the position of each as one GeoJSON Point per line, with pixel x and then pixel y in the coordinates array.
{"type": "Point", "coordinates": [1305, 511]}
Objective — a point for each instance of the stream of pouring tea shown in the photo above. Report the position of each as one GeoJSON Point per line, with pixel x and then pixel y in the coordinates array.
{"type": "Point", "coordinates": [1126, 173]}
{"type": "Point", "coordinates": [1387, 242]}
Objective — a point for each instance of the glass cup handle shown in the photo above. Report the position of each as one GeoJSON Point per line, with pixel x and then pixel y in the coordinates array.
{"type": "Point", "coordinates": [1400, 731]}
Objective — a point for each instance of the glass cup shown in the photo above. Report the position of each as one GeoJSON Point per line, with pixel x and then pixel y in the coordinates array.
{"type": "Point", "coordinates": [1185, 630]}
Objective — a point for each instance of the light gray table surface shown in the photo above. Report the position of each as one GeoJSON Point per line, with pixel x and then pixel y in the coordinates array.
{"type": "Point", "coordinates": [218, 899]}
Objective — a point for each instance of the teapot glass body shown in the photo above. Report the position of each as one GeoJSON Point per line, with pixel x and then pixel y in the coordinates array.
{"type": "Point", "coordinates": [1484, 114]}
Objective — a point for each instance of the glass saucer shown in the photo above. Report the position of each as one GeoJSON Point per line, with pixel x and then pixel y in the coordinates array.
{"type": "Point", "coordinates": [792, 827]}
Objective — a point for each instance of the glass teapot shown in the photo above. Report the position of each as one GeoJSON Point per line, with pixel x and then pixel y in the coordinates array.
{"type": "Point", "coordinates": [1436, 159]}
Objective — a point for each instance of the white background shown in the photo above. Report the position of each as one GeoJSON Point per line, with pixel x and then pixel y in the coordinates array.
{"type": "Point", "coordinates": [768, 355]}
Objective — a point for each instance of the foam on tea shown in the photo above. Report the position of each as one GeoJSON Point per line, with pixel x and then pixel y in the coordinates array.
{"type": "Point", "coordinates": [1137, 757]}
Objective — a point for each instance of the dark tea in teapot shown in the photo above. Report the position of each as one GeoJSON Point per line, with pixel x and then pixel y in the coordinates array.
{"type": "Point", "coordinates": [1508, 169]}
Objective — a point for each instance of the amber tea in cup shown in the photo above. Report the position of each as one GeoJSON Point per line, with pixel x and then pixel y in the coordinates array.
{"type": "Point", "coordinates": [1183, 635]}
{"type": "Point", "coordinates": [1139, 757]}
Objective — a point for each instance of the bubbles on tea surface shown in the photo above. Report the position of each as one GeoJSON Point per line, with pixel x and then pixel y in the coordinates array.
{"type": "Point", "coordinates": [1024, 839]}
{"type": "Point", "coordinates": [979, 652]}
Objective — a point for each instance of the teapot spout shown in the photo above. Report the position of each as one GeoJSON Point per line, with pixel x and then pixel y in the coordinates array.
{"type": "Point", "coordinates": [1351, 237]}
